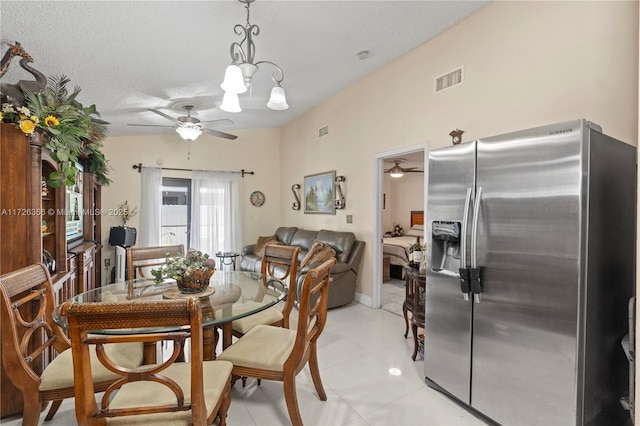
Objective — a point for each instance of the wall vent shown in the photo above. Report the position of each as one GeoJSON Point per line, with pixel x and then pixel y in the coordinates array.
{"type": "Point", "coordinates": [448, 80]}
{"type": "Point", "coordinates": [324, 131]}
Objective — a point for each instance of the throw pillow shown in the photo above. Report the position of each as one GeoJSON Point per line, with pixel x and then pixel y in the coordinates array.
{"type": "Point", "coordinates": [318, 253]}
{"type": "Point", "coordinates": [262, 243]}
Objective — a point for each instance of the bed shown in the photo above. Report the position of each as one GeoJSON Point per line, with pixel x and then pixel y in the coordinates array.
{"type": "Point", "coordinates": [397, 248]}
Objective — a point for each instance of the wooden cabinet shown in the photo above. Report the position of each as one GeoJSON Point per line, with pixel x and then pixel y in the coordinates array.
{"type": "Point", "coordinates": [86, 273]}
{"type": "Point", "coordinates": [33, 228]}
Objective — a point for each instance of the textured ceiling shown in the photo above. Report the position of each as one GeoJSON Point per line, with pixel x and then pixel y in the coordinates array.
{"type": "Point", "coordinates": [128, 56]}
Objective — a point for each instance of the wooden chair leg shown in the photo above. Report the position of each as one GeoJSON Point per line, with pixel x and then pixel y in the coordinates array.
{"type": "Point", "coordinates": [292, 401]}
{"type": "Point", "coordinates": [224, 406]}
{"type": "Point", "coordinates": [244, 381]}
{"type": "Point", "coordinates": [31, 410]}
{"type": "Point", "coordinates": [53, 410]}
{"type": "Point", "coordinates": [315, 373]}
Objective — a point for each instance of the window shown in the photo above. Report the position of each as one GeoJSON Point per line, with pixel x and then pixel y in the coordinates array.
{"type": "Point", "coordinates": [175, 217]}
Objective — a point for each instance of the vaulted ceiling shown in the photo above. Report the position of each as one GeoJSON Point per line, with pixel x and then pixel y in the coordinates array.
{"type": "Point", "coordinates": [129, 56]}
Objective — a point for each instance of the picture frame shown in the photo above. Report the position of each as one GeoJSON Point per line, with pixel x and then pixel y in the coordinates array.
{"type": "Point", "coordinates": [319, 193]}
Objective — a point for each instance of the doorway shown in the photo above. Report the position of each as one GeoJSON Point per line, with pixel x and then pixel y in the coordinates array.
{"type": "Point", "coordinates": [397, 197]}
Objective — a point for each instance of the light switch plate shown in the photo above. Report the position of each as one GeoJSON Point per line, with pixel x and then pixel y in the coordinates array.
{"type": "Point", "coordinates": [349, 218]}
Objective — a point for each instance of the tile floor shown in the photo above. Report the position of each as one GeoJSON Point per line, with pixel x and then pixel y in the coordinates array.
{"type": "Point", "coordinates": [393, 294]}
{"type": "Point", "coordinates": [356, 351]}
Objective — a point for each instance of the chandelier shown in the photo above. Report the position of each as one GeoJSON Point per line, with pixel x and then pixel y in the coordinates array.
{"type": "Point", "coordinates": [237, 77]}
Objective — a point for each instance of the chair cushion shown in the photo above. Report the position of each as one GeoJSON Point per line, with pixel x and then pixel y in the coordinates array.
{"type": "Point", "coordinates": [59, 373]}
{"type": "Point", "coordinates": [266, 317]}
{"type": "Point", "coordinates": [264, 347]}
{"type": "Point", "coordinates": [216, 375]}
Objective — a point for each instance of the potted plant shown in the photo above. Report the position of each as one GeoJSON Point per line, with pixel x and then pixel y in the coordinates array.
{"type": "Point", "coordinates": [191, 272]}
{"type": "Point", "coordinates": [72, 130]}
{"type": "Point", "coordinates": [126, 213]}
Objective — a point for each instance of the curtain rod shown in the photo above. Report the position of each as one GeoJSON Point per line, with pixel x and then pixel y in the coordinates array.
{"type": "Point", "coordinates": [139, 167]}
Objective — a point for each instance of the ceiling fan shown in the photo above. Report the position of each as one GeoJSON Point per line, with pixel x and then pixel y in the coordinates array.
{"type": "Point", "coordinates": [396, 171]}
{"type": "Point", "coordinates": [188, 127]}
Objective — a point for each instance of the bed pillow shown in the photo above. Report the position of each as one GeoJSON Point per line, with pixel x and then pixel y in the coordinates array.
{"type": "Point", "coordinates": [414, 233]}
{"type": "Point", "coordinates": [318, 253]}
{"type": "Point", "coordinates": [262, 243]}
{"type": "Point", "coordinates": [418, 227]}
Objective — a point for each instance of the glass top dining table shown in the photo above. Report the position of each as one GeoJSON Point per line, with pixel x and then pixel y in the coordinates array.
{"type": "Point", "coordinates": [231, 295]}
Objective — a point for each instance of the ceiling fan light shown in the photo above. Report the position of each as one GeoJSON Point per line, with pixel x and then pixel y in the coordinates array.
{"type": "Point", "coordinates": [396, 171]}
{"type": "Point", "coordinates": [189, 133]}
{"type": "Point", "coordinates": [278, 99]}
{"type": "Point", "coordinates": [230, 102]}
{"type": "Point", "coordinates": [233, 80]}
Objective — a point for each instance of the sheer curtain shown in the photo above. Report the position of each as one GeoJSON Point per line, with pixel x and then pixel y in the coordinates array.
{"type": "Point", "coordinates": [150, 226]}
{"type": "Point", "coordinates": [216, 211]}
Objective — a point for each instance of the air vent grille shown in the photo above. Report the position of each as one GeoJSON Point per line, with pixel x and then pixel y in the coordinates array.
{"type": "Point", "coordinates": [448, 80]}
{"type": "Point", "coordinates": [323, 131]}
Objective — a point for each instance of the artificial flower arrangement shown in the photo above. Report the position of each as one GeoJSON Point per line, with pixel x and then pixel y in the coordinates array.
{"type": "Point", "coordinates": [72, 129]}
{"type": "Point", "coordinates": [126, 213]}
{"type": "Point", "coordinates": [192, 271]}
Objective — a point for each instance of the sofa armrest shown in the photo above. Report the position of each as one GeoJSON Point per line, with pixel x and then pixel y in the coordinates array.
{"type": "Point", "coordinates": [248, 249]}
{"type": "Point", "coordinates": [355, 257]}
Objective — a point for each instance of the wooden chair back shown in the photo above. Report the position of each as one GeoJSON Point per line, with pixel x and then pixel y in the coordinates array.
{"type": "Point", "coordinates": [29, 336]}
{"type": "Point", "coordinates": [280, 264]}
{"type": "Point", "coordinates": [176, 313]}
{"type": "Point", "coordinates": [140, 258]}
{"type": "Point", "coordinates": [312, 314]}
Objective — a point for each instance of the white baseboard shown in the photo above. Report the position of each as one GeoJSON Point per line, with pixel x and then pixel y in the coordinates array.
{"type": "Point", "coordinates": [363, 300]}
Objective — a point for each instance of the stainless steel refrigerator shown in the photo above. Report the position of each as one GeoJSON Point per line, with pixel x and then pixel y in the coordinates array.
{"type": "Point", "coordinates": [530, 270]}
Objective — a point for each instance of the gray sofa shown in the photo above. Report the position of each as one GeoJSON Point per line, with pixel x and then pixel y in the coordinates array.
{"type": "Point", "coordinates": [344, 273]}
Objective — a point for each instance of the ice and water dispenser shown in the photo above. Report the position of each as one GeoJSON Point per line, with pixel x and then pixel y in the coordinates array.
{"type": "Point", "coordinates": [445, 243]}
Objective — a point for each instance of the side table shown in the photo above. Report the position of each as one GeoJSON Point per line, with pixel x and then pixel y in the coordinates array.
{"type": "Point", "coordinates": [227, 258]}
{"type": "Point", "coordinates": [415, 303]}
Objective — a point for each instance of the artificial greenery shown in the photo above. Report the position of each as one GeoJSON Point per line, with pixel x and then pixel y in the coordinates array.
{"type": "Point", "coordinates": [194, 265]}
{"type": "Point", "coordinates": [73, 130]}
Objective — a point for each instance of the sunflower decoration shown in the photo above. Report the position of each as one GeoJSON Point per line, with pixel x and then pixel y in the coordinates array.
{"type": "Point", "coordinates": [51, 121]}
{"type": "Point", "coordinates": [72, 129]}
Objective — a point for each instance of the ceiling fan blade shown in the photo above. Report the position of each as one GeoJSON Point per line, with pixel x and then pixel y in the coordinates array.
{"type": "Point", "coordinates": [220, 134]}
{"type": "Point", "coordinates": [168, 117]}
{"type": "Point", "coordinates": [220, 121]}
{"type": "Point", "coordinates": [150, 125]}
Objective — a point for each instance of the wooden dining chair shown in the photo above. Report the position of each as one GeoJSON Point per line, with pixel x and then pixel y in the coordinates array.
{"type": "Point", "coordinates": [279, 268]}
{"type": "Point", "coordinates": [169, 392]}
{"type": "Point", "coordinates": [29, 336]}
{"type": "Point", "coordinates": [275, 353]}
{"type": "Point", "coordinates": [141, 258]}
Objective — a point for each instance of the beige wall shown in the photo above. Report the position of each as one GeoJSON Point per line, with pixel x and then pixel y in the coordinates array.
{"type": "Point", "coordinates": [525, 63]}
{"type": "Point", "coordinates": [254, 150]}
{"type": "Point", "coordinates": [403, 194]}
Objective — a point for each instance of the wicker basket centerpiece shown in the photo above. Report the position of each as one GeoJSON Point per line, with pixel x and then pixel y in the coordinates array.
{"type": "Point", "coordinates": [191, 272]}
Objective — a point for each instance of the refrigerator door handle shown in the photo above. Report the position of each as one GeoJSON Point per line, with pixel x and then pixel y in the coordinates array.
{"type": "Point", "coordinates": [475, 279]}
{"type": "Point", "coordinates": [464, 268]}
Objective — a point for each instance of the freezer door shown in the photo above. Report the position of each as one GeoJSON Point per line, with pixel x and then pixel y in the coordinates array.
{"type": "Point", "coordinates": [529, 232]}
{"type": "Point", "coordinates": [447, 349]}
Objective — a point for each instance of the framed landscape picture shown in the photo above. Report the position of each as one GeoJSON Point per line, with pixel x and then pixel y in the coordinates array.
{"type": "Point", "coordinates": [319, 193]}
